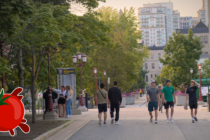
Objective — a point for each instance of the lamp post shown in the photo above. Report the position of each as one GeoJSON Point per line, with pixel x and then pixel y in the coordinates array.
{"type": "Point", "coordinates": [105, 79]}
{"type": "Point", "coordinates": [199, 68]}
{"type": "Point", "coordinates": [84, 59]}
{"type": "Point", "coordinates": [191, 71]}
{"type": "Point", "coordinates": [108, 82]}
{"type": "Point", "coordinates": [95, 72]}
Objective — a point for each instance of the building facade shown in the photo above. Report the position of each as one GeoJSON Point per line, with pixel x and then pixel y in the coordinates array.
{"type": "Point", "coordinates": [188, 22]}
{"type": "Point", "coordinates": [153, 65]}
{"type": "Point", "coordinates": [203, 13]}
{"type": "Point", "coordinates": [157, 22]}
{"type": "Point", "coordinates": [201, 31]}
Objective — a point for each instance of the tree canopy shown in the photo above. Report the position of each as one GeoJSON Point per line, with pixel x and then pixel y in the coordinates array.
{"type": "Point", "coordinates": [181, 53]}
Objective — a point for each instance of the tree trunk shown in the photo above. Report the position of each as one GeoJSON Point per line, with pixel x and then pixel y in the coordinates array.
{"type": "Point", "coordinates": [33, 88]}
{"type": "Point", "coordinates": [20, 67]}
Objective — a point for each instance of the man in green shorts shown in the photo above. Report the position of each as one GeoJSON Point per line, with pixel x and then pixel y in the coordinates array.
{"type": "Point", "coordinates": [169, 100]}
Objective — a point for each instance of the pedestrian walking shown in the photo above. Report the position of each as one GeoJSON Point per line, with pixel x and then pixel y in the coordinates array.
{"type": "Point", "coordinates": [69, 96]}
{"type": "Point", "coordinates": [115, 98]}
{"type": "Point", "coordinates": [61, 100]}
{"type": "Point", "coordinates": [154, 99]}
{"type": "Point", "coordinates": [160, 94]}
{"type": "Point", "coordinates": [102, 97]}
{"type": "Point", "coordinates": [191, 93]}
{"type": "Point", "coordinates": [169, 100]}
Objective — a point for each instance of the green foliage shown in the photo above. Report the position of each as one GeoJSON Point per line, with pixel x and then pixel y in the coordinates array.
{"type": "Point", "coordinates": [10, 12]}
{"type": "Point", "coordinates": [3, 66]}
{"type": "Point", "coordinates": [141, 80]}
{"type": "Point", "coordinates": [181, 53]}
{"type": "Point", "coordinates": [206, 69]}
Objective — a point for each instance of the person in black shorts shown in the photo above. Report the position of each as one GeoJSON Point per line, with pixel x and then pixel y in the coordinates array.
{"type": "Point", "coordinates": [102, 97]}
{"type": "Point", "coordinates": [191, 93]}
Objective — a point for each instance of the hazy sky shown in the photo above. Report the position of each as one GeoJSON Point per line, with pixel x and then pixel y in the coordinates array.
{"type": "Point", "coordinates": [185, 7]}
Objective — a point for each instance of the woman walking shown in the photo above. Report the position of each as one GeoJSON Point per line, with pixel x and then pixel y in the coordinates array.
{"type": "Point", "coordinates": [61, 100]}
{"type": "Point", "coordinates": [69, 94]}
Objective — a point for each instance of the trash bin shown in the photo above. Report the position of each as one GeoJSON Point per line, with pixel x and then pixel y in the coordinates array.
{"type": "Point", "coordinates": [208, 102]}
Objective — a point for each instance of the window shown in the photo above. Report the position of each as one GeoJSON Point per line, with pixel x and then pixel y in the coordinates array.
{"type": "Point", "coordinates": [159, 65]}
{"type": "Point", "coordinates": [151, 76]}
{"type": "Point", "coordinates": [201, 38]}
{"type": "Point", "coordinates": [205, 39]}
{"type": "Point", "coordinates": [152, 56]}
{"type": "Point", "coordinates": [146, 78]}
{"type": "Point", "coordinates": [145, 66]}
{"type": "Point", "coordinates": [159, 55]}
{"type": "Point", "coordinates": [153, 65]}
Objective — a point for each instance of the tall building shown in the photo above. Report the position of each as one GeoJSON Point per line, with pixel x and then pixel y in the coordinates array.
{"type": "Point", "coordinates": [153, 65]}
{"type": "Point", "coordinates": [157, 22]}
{"type": "Point", "coordinates": [188, 22]}
{"type": "Point", "coordinates": [203, 13]}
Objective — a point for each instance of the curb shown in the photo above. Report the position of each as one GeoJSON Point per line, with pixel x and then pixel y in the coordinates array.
{"type": "Point", "coordinates": [51, 132]}
{"type": "Point", "coordinates": [75, 130]}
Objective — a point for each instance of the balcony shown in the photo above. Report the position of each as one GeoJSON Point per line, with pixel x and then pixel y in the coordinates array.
{"type": "Point", "coordinates": [146, 12]}
{"type": "Point", "coordinates": [160, 11]}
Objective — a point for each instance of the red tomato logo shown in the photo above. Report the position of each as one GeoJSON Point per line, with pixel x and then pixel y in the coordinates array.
{"type": "Point", "coordinates": [12, 112]}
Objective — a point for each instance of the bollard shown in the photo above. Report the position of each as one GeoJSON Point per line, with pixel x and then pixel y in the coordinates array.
{"type": "Point", "coordinates": [86, 100]}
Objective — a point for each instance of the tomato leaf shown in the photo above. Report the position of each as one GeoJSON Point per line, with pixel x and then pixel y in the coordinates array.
{"type": "Point", "coordinates": [3, 99]}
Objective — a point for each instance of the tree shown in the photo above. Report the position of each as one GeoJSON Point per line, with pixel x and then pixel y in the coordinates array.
{"type": "Point", "coordinates": [181, 53]}
{"type": "Point", "coordinates": [206, 68]}
{"type": "Point", "coordinates": [141, 80]}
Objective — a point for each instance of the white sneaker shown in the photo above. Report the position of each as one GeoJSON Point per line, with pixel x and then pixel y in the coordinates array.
{"type": "Point", "coordinates": [67, 116]}
{"type": "Point", "coordinates": [172, 120]}
{"type": "Point", "coordinates": [112, 121]}
{"type": "Point", "coordinates": [168, 121]}
{"type": "Point", "coordinates": [116, 123]}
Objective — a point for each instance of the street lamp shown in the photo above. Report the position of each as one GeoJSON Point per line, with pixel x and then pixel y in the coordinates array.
{"type": "Point", "coordinates": [108, 82]}
{"type": "Point", "coordinates": [191, 71]}
{"type": "Point", "coordinates": [105, 79]}
{"type": "Point", "coordinates": [84, 60]}
{"type": "Point", "coordinates": [95, 72]}
{"type": "Point", "coordinates": [199, 68]}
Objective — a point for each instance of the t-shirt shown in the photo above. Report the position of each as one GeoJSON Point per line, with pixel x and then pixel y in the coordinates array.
{"type": "Point", "coordinates": [168, 93]}
{"type": "Point", "coordinates": [153, 94]}
{"type": "Point", "coordinates": [115, 96]}
{"type": "Point", "coordinates": [101, 99]}
{"type": "Point", "coordinates": [192, 93]}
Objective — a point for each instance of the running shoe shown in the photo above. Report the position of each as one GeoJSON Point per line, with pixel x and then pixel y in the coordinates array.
{"type": "Point", "coordinates": [104, 123]}
{"type": "Point", "coordinates": [195, 119]}
{"type": "Point", "coordinates": [156, 122]}
{"type": "Point", "coordinates": [151, 119]}
{"type": "Point", "coordinates": [116, 123]}
{"type": "Point", "coordinates": [172, 120]}
{"type": "Point", "coordinates": [99, 122]}
{"type": "Point", "coordinates": [168, 121]}
{"type": "Point", "coordinates": [112, 121]}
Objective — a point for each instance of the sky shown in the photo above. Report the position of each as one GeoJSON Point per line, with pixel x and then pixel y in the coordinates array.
{"type": "Point", "coordinates": [185, 7]}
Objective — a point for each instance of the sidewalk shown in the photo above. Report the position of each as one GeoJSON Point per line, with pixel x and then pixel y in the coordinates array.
{"type": "Point", "coordinates": [130, 115]}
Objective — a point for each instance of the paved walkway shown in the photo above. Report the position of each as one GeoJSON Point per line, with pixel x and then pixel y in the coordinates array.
{"type": "Point", "coordinates": [134, 124]}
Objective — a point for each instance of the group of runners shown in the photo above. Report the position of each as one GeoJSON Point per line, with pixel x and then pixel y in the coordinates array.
{"type": "Point", "coordinates": [166, 97]}
{"type": "Point", "coordinates": [156, 97]}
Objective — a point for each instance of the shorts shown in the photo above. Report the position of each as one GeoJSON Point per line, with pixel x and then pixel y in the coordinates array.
{"type": "Point", "coordinates": [193, 104]}
{"type": "Point", "coordinates": [61, 101]}
{"type": "Point", "coordinates": [152, 105]}
{"type": "Point", "coordinates": [171, 104]}
{"type": "Point", "coordinates": [102, 108]}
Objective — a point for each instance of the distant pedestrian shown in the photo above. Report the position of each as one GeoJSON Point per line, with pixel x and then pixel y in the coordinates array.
{"type": "Point", "coordinates": [102, 97]}
{"type": "Point", "coordinates": [115, 98]}
{"type": "Point", "coordinates": [69, 96]}
{"type": "Point", "coordinates": [168, 95]}
{"type": "Point", "coordinates": [191, 93]}
{"type": "Point", "coordinates": [61, 100]}
{"type": "Point", "coordinates": [153, 97]}
{"type": "Point", "coordinates": [160, 94]}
